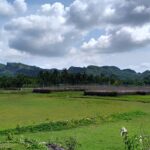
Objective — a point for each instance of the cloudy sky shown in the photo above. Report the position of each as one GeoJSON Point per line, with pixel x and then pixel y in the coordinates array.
{"type": "Point", "coordinates": [64, 33]}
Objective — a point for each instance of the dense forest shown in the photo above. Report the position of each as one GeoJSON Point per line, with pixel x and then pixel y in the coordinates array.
{"type": "Point", "coordinates": [17, 75]}
{"type": "Point", "coordinates": [64, 77]}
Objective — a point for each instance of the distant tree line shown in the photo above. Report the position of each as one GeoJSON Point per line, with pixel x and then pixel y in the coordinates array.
{"type": "Point", "coordinates": [55, 77]}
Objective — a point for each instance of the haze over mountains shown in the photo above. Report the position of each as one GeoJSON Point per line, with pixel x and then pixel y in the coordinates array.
{"type": "Point", "coordinates": [12, 69]}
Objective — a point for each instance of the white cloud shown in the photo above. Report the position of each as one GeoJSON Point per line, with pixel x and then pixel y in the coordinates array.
{"type": "Point", "coordinates": [109, 12]}
{"type": "Point", "coordinates": [56, 9]}
{"type": "Point", "coordinates": [139, 9]}
{"type": "Point", "coordinates": [8, 54]}
{"type": "Point", "coordinates": [20, 5]}
{"type": "Point", "coordinates": [88, 13]}
{"type": "Point", "coordinates": [119, 40]}
{"type": "Point", "coordinates": [103, 42]}
{"type": "Point", "coordinates": [8, 9]}
{"type": "Point", "coordinates": [58, 27]}
{"type": "Point", "coordinates": [43, 34]}
{"type": "Point", "coordinates": [129, 12]}
{"type": "Point", "coordinates": [53, 30]}
{"type": "Point", "coordinates": [85, 13]}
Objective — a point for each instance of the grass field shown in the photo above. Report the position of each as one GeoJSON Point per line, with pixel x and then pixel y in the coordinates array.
{"type": "Point", "coordinates": [25, 109]}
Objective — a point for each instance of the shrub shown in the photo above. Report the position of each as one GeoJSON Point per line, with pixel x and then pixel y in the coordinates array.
{"type": "Point", "coordinates": [135, 142]}
{"type": "Point", "coordinates": [10, 136]}
{"type": "Point", "coordinates": [51, 126]}
{"type": "Point", "coordinates": [71, 143]}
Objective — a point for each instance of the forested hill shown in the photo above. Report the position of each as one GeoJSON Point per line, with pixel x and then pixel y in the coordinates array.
{"type": "Point", "coordinates": [106, 71]}
{"type": "Point", "coordinates": [13, 69]}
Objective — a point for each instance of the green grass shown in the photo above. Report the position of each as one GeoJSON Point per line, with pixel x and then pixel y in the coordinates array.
{"type": "Point", "coordinates": [27, 109]}
{"type": "Point", "coordinates": [69, 124]}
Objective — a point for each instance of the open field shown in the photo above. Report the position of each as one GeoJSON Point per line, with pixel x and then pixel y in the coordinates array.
{"type": "Point", "coordinates": [110, 113]}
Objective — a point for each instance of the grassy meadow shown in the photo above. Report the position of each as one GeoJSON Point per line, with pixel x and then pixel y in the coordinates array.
{"type": "Point", "coordinates": [109, 113]}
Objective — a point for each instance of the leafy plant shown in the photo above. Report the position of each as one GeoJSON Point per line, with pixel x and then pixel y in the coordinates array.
{"type": "Point", "coordinates": [71, 143]}
{"type": "Point", "coordinates": [10, 136]}
{"type": "Point", "coordinates": [135, 142]}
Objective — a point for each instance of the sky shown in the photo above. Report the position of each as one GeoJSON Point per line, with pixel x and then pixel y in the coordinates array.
{"type": "Point", "coordinates": [64, 33]}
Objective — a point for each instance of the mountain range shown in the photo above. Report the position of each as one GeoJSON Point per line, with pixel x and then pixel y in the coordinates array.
{"type": "Point", "coordinates": [12, 69]}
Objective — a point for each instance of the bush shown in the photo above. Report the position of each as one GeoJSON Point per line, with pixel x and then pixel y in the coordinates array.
{"type": "Point", "coordinates": [51, 126]}
{"type": "Point", "coordinates": [71, 143]}
{"type": "Point", "coordinates": [135, 142]}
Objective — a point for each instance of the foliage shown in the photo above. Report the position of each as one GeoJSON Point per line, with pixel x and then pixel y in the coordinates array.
{"type": "Point", "coordinates": [27, 109]}
{"type": "Point", "coordinates": [31, 144]}
{"type": "Point", "coordinates": [127, 116]}
{"type": "Point", "coordinates": [19, 75]}
{"type": "Point", "coordinates": [66, 124]}
{"type": "Point", "coordinates": [69, 143]}
{"type": "Point", "coordinates": [136, 142]}
{"type": "Point", "coordinates": [51, 126]}
{"type": "Point", "coordinates": [55, 77]}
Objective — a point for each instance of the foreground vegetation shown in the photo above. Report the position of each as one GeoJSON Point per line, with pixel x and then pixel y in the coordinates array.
{"type": "Point", "coordinates": [94, 122]}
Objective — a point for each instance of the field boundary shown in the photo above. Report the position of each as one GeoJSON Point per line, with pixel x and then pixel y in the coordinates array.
{"type": "Point", "coordinates": [66, 124]}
